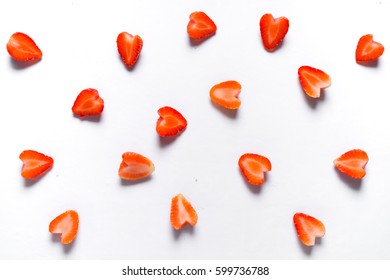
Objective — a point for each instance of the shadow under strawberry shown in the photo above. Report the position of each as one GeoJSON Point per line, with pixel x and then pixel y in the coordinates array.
{"type": "Point", "coordinates": [186, 230]}
{"type": "Point", "coordinates": [20, 65]}
{"type": "Point", "coordinates": [126, 183]}
{"type": "Point", "coordinates": [355, 184]}
{"type": "Point", "coordinates": [232, 114]}
{"type": "Point", "coordinates": [67, 248]}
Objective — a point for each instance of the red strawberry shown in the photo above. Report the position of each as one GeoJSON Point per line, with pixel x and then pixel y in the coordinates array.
{"type": "Point", "coordinates": [253, 166]}
{"type": "Point", "coordinates": [21, 47]}
{"type": "Point", "coordinates": [226, 94]}
{"type": "Point", "coordinates": [367, 49]}
{"type": "Point", "coordinates": [352, 163]}
{"type": "Point", "coordinates": [65, 224]}
{"type": "Point", "coordinates": [34, 163]}
{"type": "Point", "coordinates": [170, 122]}
{"type": "Point", "coordinates": [308, 228]}
{"type": "Point", "coordinates": [313, 80]}
{"type": "Point", "coordinates": [88, 103]}
{"type": "Point", "coordinates": [135, 166]}
{"type": "Point", "coordinates": [273, 30]}
{"type": "Point", "coordinates": [182, 212]}
{"type": "Point", "coordinates": [200, 26]}
{"type": "Point", "coordinates": [129, 48]}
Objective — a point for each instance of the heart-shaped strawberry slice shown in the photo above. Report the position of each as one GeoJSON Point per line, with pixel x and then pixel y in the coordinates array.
{"type": "Point", "coordinates": [129, 48]}
{"type": "Point", "coordinates": [253, 167]}
{"type": "Point", "coordinates": [200, 26]}
{"type": "Point", "coordinates": [313, 80]}
{"type": "Point", "coordinates": [367, 49]}
{"type": "Point", "coordinates": [170, 122]}
{"type": "Point", "coordinates": [135, 166]}
{"type": "Point", "coordinates": [34, 163]}
{"type": "Point", "coordinates": [226, 93]}
{"type": "Point", "coordinates": [352, 163]}
{"type": "Point", "coordinates": [21, 47]}
{"type": "Point", "coordinates": [308, 228]}
{"type": "Point", "coordinates": [65, 224]}
{"type": "Point", "coordinates": [88, 103]}
{"type": "Point", "coordinates": [273, 30]}
{"type": "Point", "coordinates": [182, 212]}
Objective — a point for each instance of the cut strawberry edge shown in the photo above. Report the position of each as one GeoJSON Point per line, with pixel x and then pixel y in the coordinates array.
{"type": "Point", "coordinates": [253, 167]}
{"type": "Point", "coordinates": [66, 225]}
{"type": "Point", "coordinates": [308, 228]}
{"type": "Point", "coordinates": [135, 166]}
{"type": "Point", "coordinates": [182, 213]}
{"type": "Point", "coordinates": [200, 26]}
{"type": "Point", "coordinates": [313, 80]}
{"type": "Point", "coordinates": [170, 123]}
{"type": "Point", "coordinates": [226, 94]}
{"type": "Point", "coordinates": [35, 164]}
{"type": "Point", "coordinates": [352, 163]}
{"type": "Point", "coordinates": [368, 50]}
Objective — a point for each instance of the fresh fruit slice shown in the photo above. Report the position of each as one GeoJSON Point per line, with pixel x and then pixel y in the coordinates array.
{"type": "Point", "coordinates": [135, 166]}
{"type": "Point", "coordinates": [129, 48]}
{"type": "Point", "coordinates": [170, 122]}
{"type": "Point", "coordinates": [308, 228]}
{"type": "Point", "coordinates": [21, 47]}
{"type": "Point", "coordinates": [253, 166]}
{"type": "Point", "coordinates": [200, 26]}
{"type": "Point", "coordinates": [34, 164]}
{"type": "Point", "coordinates": [88, 103]}
{"type": "Point", "coordinates": [313, 80]}
{"type": "Point", "coordinates": [182, 212]}
{"type": "Point", "coordinates": [273, 30]}
{"type": "Point", "coordinates": [352, 163]}
{"type": "Point", "coordinates": [367, 49]}
{"type": "Point", "coordinates": [226, 94]}
{"type": "Point", "coordinates": [65, 224]}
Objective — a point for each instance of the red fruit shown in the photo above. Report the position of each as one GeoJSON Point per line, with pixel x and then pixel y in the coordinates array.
{"type": "Point", "coordinates": [308, 228]}
{"type": "Point", "coordinates": [253, 166]}
{"type": "Point", "coordinates": [367, 49]}
{"type": "Point", "coordinates": [273, 30]}
{"type": "Point", "coordinates": [88, 103]}
{"type": "Point", "coordinates": [200, 26]}
{"type": "Point", "coordinates": [313, 80]}
{"type": "Point", "coordinates": [135, 166]}
{"type": "Point", "coordinates": [34, 164]}
{"type": "Point", "coordinates": [21, 47]}
{"type": "Point", "coordinates": [67, 225]}
{"type": "Point", "coordinates": [170, 122]}
{"type": "Point", "coordinates": [182, 212]}
{"type": "Point", "coordinates": [226, 94]}
{"type": "Point", "coordinates": [352, 163]}
{"type": "Point", "coordinates": [129, 48]}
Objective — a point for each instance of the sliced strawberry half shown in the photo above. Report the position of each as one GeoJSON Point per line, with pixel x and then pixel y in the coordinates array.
{"type": "Point", "coordinates": [21, 47]}
{"type": "Point", "coordinates": [65, 224]}
{"type": "Point", "coordinates": [129, 48]}
{"type": "Point", "coordinates": [352, 163]}
{"type": "Point", "coordinates": [253, 167]}
{"type": "Point", "coordinates": [367, 49]}
{"type": "Point", "coordinates": [170, 122]}
{"type": "Point", "coordinates": [200, 26]}
{"type": "Point", "coordinates": [308, 228]}
{"type": "Point", "coordinates": [182, 212]}
{"type": "Point", "coordinates": [34, 163]}
{"type": "Point", "coordinates": [226, 94]}
{"type": "Point", "coordinates": [88, 103]}
{"type": "Point", "coordinates": [313, 80]}
{"type": "Point", "coordinates": [273, 30]}
{"type": "Point", "coordinates": [135, 166]}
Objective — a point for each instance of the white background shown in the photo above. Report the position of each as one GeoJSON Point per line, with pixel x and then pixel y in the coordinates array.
{"type": "Point", "coordinates": [300, 136]}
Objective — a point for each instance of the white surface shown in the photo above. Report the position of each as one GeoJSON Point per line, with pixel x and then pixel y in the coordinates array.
{"type": "Point", "coordinates": [301, 137]}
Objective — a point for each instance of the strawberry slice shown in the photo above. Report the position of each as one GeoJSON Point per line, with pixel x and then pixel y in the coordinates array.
{"type": "Point", "coordinates": [21, 47]}
{"type": "Point", "coordinates": [352, 163]}
{"type": "Point", "coordinates": [308, 228]}
{"type": "Point", "coordinates": [367, 49]}
{"type": "Point", "coordinates": [226, 94]}
{"type": "Point", "coordinates": [313, 80]}
{"type": "Point", "coordinates": [200, 26]}
{"type": "Point", "coordinates": [253, 166]}
{"type": "Point", "coordinates": [88, 103]}
{"type": "Point", "coordinates": [65, 224]}
{"type": "Point", "coordinates": [135, 166]}
{"type": "Point", "coordinates": [170, 122]}
{"type": "Point", "coordinates": [273, 30]}
{"type": "Point", "coordinates": [182, 212]}
{"type": "Point", "coordinates": [34, 164]}
{"type": "Point", "coordinates": [129, 48]}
